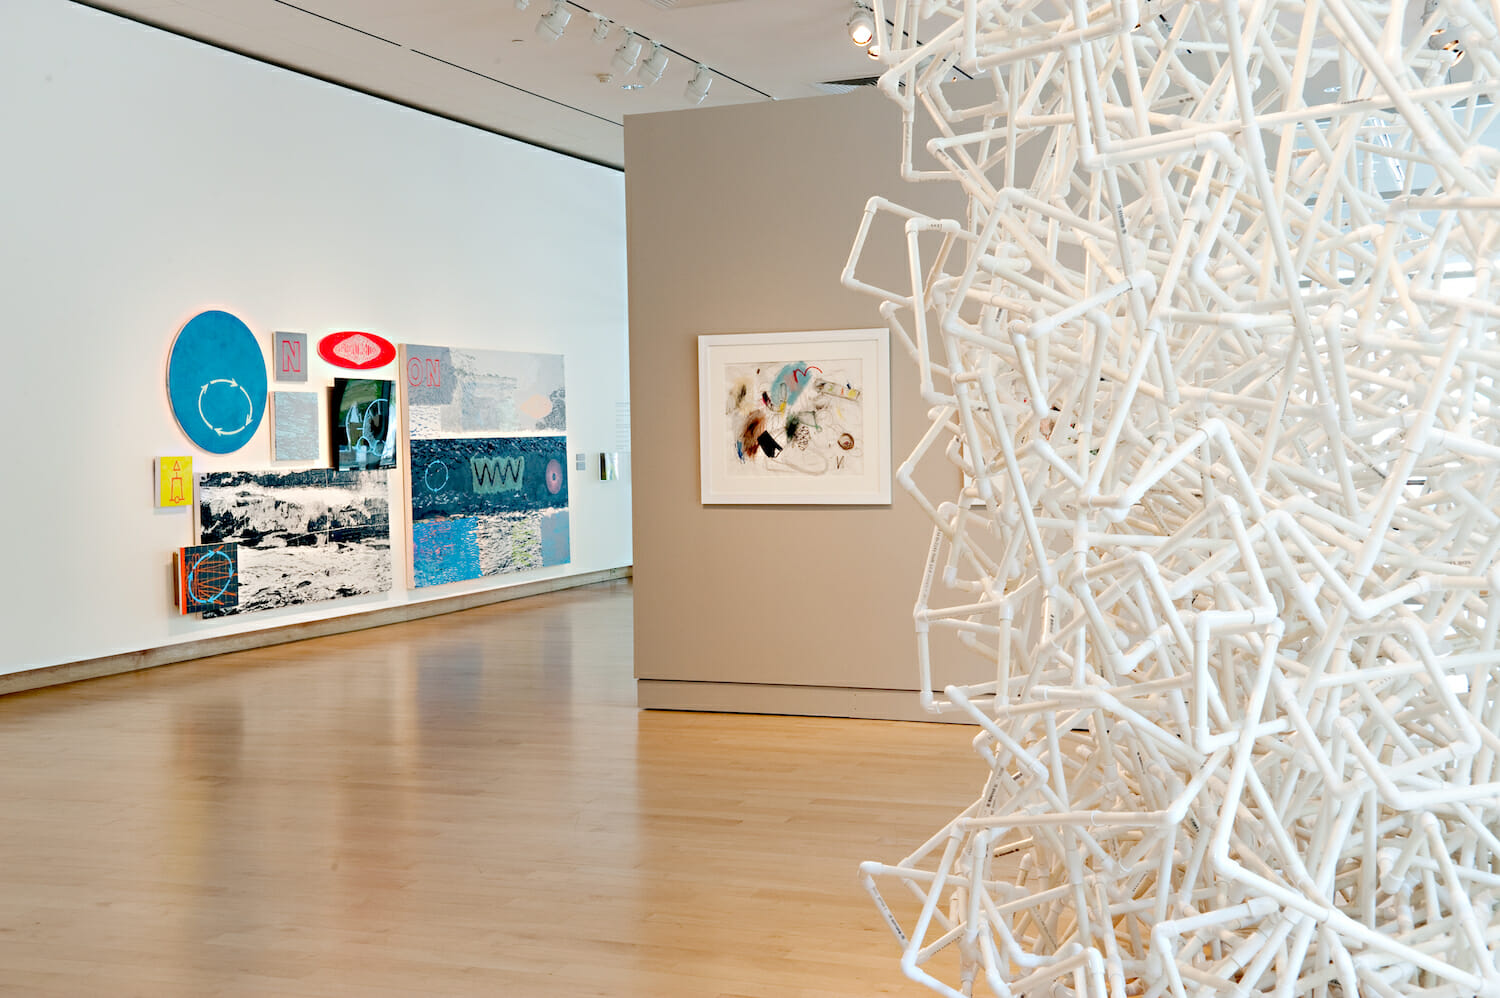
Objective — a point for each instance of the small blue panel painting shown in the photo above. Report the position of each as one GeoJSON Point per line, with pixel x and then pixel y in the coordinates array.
{"type": "Point", "coordinates": [445, 550]}
{"type": "Point", "coordinates": [216, 380]}
{"type": "Point", "coordinates": [294, 426]}
{"type": "Point", "coordinates": [556, 549]}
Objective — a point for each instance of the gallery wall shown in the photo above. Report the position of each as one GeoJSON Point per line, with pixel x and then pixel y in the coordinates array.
{"type": "Point", "coordinates": [740, 220]}
{"type": "Point", "coordinates": [147, 178]}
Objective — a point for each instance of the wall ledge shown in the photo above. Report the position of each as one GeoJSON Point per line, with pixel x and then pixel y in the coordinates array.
{"type": "Point", "coordinates": [807, 701]}
{"type": "Point", "coordinates": [150, 658]}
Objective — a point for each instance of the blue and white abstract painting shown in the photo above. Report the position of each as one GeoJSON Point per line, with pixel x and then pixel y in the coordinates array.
{"type": "Point", "coordinates": [294, 426]}
{"type": "Point", "coordinates": [487, 505]}
{"type": "Point", "coordinates": [216, 381]}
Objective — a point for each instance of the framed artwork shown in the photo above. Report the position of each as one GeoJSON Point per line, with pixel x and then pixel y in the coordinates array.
{"type": "Point", "coordinates": [792, 418]}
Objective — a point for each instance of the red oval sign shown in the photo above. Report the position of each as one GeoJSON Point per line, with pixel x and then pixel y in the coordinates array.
{"type": "Point", "coordinates": [356, 351]}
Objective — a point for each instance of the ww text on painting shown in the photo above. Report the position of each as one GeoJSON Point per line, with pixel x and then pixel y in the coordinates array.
{"type": "Point", "coordinates": [497, 474]}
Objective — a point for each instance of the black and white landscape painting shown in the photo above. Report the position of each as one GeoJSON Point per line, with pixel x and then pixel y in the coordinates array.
{"type": "Point", "coordinates": [303, 536]}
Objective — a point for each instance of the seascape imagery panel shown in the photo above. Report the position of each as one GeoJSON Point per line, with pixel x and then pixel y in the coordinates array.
{"type": "Point", "coordinates": [302, 536]}
{"type": "Point", "coordinates": [487, 505]}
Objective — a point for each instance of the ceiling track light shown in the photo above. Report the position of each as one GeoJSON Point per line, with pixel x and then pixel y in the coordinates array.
{"type": "Point", "coordinates": [601, 27]}
{"type": "Point", "coordinates": [861, 25]}
{"type": "Point", "coordinates": [627, 54]}
{"type": "Point", "coordinates": [655, 65]}
{"type": "Point", "coordinates": [522, 4]}
{"type": "Point", "coordinates": [697, 87]}
{"type": "Point", "coordinates": [551, 25]}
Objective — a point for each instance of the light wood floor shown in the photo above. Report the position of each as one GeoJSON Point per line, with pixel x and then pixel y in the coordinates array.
{"type": "Point", "coordinates": [465, 805]}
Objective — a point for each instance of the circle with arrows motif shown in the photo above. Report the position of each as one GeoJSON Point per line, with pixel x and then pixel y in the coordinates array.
{"type": "Point", "coordinates": [216, 381]}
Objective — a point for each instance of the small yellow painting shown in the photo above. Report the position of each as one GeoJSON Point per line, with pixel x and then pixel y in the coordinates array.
{"type": "Point", "coordinates": [174, 481]}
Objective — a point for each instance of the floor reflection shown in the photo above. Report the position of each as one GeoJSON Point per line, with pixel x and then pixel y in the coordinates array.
{"type": "Point", "coordinates": [464, 805]}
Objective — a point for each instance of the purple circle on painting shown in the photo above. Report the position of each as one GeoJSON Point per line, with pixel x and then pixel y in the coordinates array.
{"type": "Point", "coordinates": [554, 477]}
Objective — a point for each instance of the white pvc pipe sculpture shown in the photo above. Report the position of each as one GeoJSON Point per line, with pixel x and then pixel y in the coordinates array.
{"type": "Point", "coordinates": [1212, 364]}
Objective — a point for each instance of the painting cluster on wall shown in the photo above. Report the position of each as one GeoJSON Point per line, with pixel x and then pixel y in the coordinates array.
{"type": "Point", "coordinates": [480, 432]}
{"type": "Point", "coordinates": [488, 486]}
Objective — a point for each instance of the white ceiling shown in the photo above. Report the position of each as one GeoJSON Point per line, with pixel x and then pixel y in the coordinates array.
{"type": "Point", "coordinates": [482, 62]}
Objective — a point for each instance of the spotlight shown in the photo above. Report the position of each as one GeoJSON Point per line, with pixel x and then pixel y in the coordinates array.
{"type": "Point", "coordinates": [697, 87]}
{"type": "Point", "coordinates": [873, 51]}
{"type": "Point", "coordinates": [655, 64]}
{"type": "Point", "coordinates": [627, 54]}
{"type": "Point", "coordinates": [861, 25]}
{"type": "Point", "coordinates": [601, 28]}
{"type": "Point", "coordinates": [552, 23]}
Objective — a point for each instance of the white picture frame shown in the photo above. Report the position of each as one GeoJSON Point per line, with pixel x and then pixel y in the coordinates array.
{"type": "Point", "coordinates": [795, 418]}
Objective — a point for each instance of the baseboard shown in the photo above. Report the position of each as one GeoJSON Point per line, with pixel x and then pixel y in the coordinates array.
{"type": "Point", "coordinates": [150, 658]}
{"type": "Point", "coordinates": [764, 698]}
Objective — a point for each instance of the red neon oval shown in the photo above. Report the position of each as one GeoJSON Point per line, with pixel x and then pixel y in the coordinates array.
{"type": "Point", "coordinates": [355, 350]}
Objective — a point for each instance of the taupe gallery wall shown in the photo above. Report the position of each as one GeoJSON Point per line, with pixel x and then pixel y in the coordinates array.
{"type": "Point", "coordinates": [740, 220]}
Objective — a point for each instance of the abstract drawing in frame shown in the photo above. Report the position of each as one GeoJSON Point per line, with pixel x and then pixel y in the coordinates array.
{"type": "Point", "coordinates": [207, 578]}
{"type": "Point", "coordinates": [294, 426]}
{"type": "Point", "coordinates": [792, 418]}
{"type": "Point", "coordinates": [303, 536]}
{"type": "Point", "coordinates": [451, 391]}
{"type": "Point", "coordinates": [363, 426]}
{"type": "Point", "coordinates": [487, 505]}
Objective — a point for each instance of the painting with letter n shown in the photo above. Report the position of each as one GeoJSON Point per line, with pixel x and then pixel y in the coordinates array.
{"type": "Point", "coordinates": [486, 505]}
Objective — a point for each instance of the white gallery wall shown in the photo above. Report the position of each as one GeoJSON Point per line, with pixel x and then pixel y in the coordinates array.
{"type": "Point", "coordinates": [146, 178]}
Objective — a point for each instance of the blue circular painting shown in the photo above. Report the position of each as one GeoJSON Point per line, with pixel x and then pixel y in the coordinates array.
{"type": "Point", "coordinates": [216, 379]}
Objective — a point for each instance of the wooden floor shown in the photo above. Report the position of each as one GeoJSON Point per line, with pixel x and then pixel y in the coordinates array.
{"type": "Point", "coordinates": [464, 805]}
